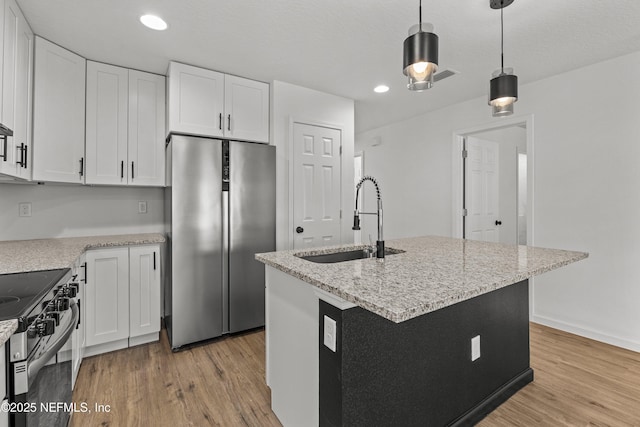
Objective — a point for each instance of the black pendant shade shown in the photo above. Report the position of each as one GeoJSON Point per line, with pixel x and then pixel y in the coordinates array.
{"type": "Point", "coordinates": [420, 56]}
{"type": "Point", "coordinates": [420, 48]}
{"type": "Point", "coordinates": [503, 87]}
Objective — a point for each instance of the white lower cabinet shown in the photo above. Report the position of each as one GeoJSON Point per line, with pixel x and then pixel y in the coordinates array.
{"type": "Point", "coordinates": [144, 293]}
{"type": "Point", "coordinates": [122, 298]}
{"type": "Point", "coordinates": [78, 336]}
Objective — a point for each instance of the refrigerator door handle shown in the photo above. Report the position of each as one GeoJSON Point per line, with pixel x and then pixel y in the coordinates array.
{"type": "Point", "coordinates": [225, 262]}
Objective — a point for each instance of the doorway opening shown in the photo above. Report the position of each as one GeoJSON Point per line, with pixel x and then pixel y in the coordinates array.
{"type": "Point", "coordinates": [493, 182]}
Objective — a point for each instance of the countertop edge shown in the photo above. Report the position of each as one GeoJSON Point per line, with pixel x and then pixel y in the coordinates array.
{"type": "Point", "coordinates": [421, 307]}
{"type": "Point", "coordinates": [20, 256]}
{"type": "Point", "coordinates": [7, 328]}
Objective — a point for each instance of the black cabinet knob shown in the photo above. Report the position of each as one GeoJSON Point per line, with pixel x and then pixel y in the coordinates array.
{"type": "Point", "coordinates": [498, 222]}
{"type": "Point", "coordinates": [299, 229]}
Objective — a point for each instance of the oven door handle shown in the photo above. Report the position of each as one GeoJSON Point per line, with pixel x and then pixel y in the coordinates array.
{"type": "Point", "coordinates": [34, 366]}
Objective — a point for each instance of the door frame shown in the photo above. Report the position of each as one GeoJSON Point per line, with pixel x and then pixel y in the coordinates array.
{"type": "Point", "coordinates": [458, 170]}
{"type": "Point", "coordinates": [340, 128]}
{"type": "Point", "coordinates": [457, 180]}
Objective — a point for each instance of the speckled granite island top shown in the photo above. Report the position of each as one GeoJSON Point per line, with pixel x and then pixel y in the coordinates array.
{"type": "Point", "coordinates": [432, 273]}
{"type": "Point", "coordinates": [18, 256]}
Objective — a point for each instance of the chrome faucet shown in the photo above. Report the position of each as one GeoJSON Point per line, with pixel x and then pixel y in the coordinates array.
{"type": "Point", "coordinates": [356, 215]}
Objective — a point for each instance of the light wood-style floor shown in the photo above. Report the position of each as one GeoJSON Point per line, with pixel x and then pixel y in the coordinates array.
{"type": "Point", "coordinates": [578, 382]}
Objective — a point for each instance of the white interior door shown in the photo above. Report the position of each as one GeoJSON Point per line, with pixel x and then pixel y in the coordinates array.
{"type": "Point", "coordinates": [482, 190]}
{"type": "Point", "coordinates": [316, 186]}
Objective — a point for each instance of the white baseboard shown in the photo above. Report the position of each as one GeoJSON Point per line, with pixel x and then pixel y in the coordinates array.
{"type": "Point", "coordinates": [106, 347]}
{"type": "Point", "coordinates": [144, 339]}
{"type": "Point", "coordinates": [587, 333]}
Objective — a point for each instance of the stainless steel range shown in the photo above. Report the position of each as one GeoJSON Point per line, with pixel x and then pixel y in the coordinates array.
{"type": "Point", "coordinates": [39, 385]}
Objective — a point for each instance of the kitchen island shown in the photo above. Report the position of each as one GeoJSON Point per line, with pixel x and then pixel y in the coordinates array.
{"type": "Point", "coordinates": [434, 335]}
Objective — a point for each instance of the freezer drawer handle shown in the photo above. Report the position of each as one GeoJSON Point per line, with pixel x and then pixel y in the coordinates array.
{"type": "Point", "coordinates": [299, 230]}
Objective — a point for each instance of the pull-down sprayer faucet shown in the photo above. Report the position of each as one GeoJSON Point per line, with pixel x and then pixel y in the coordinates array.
{"type": "Point", "coordinates": [356, 215]}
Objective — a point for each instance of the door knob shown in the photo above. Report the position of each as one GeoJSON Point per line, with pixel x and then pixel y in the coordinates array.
{"type": "Point", "coordinates": [299, 229]}
{"type": "Point", "coordinates": [498, 222]}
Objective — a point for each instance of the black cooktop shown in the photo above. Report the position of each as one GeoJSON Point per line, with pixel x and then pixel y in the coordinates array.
{"type": "Point", "coordinates": [20, 292]}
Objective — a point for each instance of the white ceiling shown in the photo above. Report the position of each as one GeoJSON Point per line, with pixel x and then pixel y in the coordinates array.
{"type": "Point", "coordinates": [346, 47]}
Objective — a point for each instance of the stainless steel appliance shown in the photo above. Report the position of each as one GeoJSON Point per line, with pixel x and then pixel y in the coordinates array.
{"type": "Point", "coordinates": [39, 384]}
{"type": "Point", "coordinates": [221, 212]}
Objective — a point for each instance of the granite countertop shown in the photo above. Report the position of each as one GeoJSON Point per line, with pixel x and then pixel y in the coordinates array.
{"type": "Point", "coordinates": [18, 256]}
{"type": "Point", "coordinates": [7, 328]}
{"type": "Point", "coordinates": [432, 273]}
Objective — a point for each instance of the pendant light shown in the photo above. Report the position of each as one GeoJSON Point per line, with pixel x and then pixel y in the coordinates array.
{"type": "Point", "coordinates": [503, 87]}
{"type": "Point", "coordinates": [420, 55]}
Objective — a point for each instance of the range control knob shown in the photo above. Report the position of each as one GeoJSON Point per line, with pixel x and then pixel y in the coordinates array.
{"type": "Point", "coordinates": [70, 291]}
{"type": "Point", "coordinates": [61, 304]}
{"type": "Point", "coordinates": [45, 327]}
{"type": "Point", "coordinates": [55, 315]}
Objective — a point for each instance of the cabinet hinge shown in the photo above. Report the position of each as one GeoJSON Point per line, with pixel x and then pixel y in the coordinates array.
{"type": "Point", "coordinates": [464, 212]}
{"type": "Point", "coordinates": [340, 213]}
{"type": "Point", "coordinates": [465, 153]}
{"type": "Point", "coordinates": [341, 150]}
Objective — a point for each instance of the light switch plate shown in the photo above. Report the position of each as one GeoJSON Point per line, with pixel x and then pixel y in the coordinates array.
{"type": "Point", "coordinates": [142, 207]}
{"type": "Point", "coordinates": [475, 348]}
{"type": "Point", "coordinates": [24, 209]}
{"type": "Point", "coordinates": [329, 333]}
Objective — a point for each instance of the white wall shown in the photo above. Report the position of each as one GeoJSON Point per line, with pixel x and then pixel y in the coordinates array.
{"type": "Point", "coordinates": [290, 102]}
{"type": "Point", "coordinates": [71, 211]}
{"type": "Point", "coordinates": [586, 189]}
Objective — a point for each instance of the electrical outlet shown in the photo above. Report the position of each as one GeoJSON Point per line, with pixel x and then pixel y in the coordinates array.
{"type": "Point", "coordinates": [330, 333]}
{"type": "Point", "coordinates": [142, 207]}
{"type": "Point", "coordinates": [24, 209]}
{"type": "Point", "coordinates": [475, 348]}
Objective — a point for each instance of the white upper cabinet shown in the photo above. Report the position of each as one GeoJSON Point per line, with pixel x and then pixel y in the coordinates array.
{"type": "Point", "coordinates": [125, 126]}
{"type": "Point", "coordinates": [196, 100]}
{"type": "Point", "coordinates": [208, 103]}
{"type": "Point", "coordinates": [17, 63]}
{"type": "Point", "coordinates": [146, 128]}
{"type": "Point", "coordinates": [246, 107]}
{"type": "Point", "coordinates": [58, 114]}
{"type": "Point", "coordinates": [106, 132]}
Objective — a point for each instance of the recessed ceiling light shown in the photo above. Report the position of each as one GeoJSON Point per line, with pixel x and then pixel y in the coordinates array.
{"type": "Point", "coordinates": [381, 89]}
{"type": "Point", "coordinates": [153, 22]}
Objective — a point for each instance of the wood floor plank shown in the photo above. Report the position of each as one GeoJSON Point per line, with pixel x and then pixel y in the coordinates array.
{"type": "Point", "coordinates": [578, 382]}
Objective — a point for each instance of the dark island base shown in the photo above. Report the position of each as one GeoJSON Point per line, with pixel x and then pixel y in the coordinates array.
{"type": "Point", "coordinates": [419, 372]}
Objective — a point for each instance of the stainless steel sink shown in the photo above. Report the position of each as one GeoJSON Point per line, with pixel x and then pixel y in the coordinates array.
{"type": "Point", "coordinates": [345, 256]}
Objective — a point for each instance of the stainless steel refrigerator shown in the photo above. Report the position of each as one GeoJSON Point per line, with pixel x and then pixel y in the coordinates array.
{"type": "Point", "coordinates": [220, 209]}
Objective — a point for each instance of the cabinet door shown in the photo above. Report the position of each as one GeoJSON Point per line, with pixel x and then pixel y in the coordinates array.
{"type": "Point", "coordinates": [246, 108]}
{"type": "Point", "coordinates": [10, 154]}
{"type": "Point", "coordinates": [24, 97]}
{"type": "Point", "coordinates": [77, 338]}
{"type": "Point", "coordinates": [146, 128]}
{"type": "Point", "coordinates": [106, 133]}
{"type": "Point", "coordinates": [107, 295]}
{"type": "Point", "coordinates": [144, 290]}
{"type": "Point", "coordinates": [195, 100]}
{"type": "Point", "coordinates": [58, 114]}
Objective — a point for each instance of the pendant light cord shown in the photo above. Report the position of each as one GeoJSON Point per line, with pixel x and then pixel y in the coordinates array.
{"type": "Point", "coordinates": [502, 34]}
{"type": "Point", "coordinates": [420, 12]}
